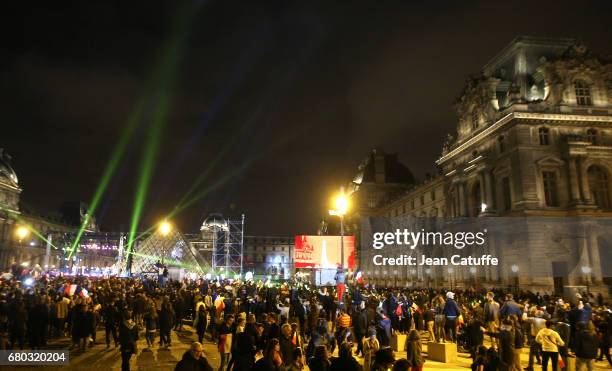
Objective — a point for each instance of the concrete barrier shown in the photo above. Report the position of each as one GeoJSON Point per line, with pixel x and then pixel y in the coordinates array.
{"type": "Point", "coordinates": [442, 352]}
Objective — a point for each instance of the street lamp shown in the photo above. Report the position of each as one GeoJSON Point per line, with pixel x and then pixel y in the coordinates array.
{"type": "Point", "coordinates": [164, 228]}
{"type": "Point", "coordinates": [22, 232]}
{"type": "Point", "coordinates": [341, 204]}
{"type": "Point", "coordinates": [515, 268]}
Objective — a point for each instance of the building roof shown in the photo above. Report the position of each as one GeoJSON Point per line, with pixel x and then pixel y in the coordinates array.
{"type": "Point", "coordinates": [381, 167]}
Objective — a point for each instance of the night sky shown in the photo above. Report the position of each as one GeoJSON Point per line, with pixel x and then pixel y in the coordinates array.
{"type": "Point", "coordinates": [284, 97]}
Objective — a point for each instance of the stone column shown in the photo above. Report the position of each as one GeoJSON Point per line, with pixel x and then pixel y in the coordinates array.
{"type": "Point", "coordinates": [462, 200]}
{"type": "Point", "coordinates": [584, 182]}
{"type": "Point", "coordinates": [573, 180]}
{"type": "Point", "coordinates": [490, 200]}
{"type": "Point", "coordinates": [483, 191]}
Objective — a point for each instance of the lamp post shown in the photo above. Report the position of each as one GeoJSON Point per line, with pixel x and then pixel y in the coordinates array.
{"type": "Point", "coordinates": [515, 268]}
{"type": "Point", "coordinates": [341, 205]}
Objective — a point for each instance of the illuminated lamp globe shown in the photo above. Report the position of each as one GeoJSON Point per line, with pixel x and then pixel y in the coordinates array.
{"type": "Point", "coordinates": [165, 228]}
{"type": "Point", "coordinates": [22, 232]}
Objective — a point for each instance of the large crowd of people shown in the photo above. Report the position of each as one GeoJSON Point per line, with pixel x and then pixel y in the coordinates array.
{"type": "Point", "coordinates": [296, 326]}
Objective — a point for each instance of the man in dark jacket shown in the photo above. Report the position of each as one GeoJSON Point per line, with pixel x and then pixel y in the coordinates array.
{"type": "Point", "coordinates": [360, 327]}
{"type": "Point", "coordinates": [193, 360]}
{"type": "Point", "coordinates": [586, 346]}
{"type": "Point", "coordinates": [286, 345]}
{"type": "Point", "coordinates": [506, 346]}
{"type": "Point", "coordinates": [111, 319]}
{"type": "Point", "coordinates": [451, 311]}
{"type": "Point", "coordinates": [128, 335]}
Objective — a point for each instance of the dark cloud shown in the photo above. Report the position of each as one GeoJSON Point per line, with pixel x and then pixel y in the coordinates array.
{"type": "Point", "coordinates": [300, 91]}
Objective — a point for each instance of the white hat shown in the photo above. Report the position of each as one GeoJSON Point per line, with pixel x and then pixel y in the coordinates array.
{"type": "Point", "coordinates": [450, 295]}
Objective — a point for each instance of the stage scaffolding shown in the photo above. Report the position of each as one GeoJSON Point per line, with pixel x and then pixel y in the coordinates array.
{"type": "Point", "coordinates": [225, 237]}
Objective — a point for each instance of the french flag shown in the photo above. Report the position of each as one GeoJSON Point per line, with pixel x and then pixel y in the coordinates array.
{"type": "Point", "coordinates": [70, 290]}
{"type": "Point", "coordinates": [84, 293]}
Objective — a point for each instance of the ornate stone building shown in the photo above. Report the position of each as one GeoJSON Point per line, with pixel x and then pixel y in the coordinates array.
{"type": "Point", "coordinates": [534, 139]}
{"type": "Point", "coordinates": [29, 248]}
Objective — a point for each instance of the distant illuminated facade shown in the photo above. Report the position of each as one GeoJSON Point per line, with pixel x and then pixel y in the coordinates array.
{"type": "Point", "coordinates": [269, 255]}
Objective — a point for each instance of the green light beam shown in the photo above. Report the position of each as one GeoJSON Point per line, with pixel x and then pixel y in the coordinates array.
{"type": "Point", "coordinates": [166, 71]}
{"type": "Point", "coordinates": [109, 171]}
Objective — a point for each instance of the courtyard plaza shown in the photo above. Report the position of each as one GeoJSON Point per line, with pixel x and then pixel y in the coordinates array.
{"type": "Point", "coordinates": [99, 357]}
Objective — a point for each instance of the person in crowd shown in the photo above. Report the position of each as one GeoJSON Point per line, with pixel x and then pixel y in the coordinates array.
{"type": "Point", "coordinates": [298, 363]}
{"type": "Point", "coordinates": [128, 336]}
{"type": "Point", "coordinates": [383, 359]}
{"type": "Point", "coordinates": [194, 360]}
{"type": "Point", "coordinates": [480, 359]}
{"type": "Point", "coordinates": [272, 359]}
{"type": "Point", "coordinates": [200, 322]}
{"type": "Point", "coordinates": [112, 318]}
{"type": "Point", "coordinates": [550, 341]}
{"type": "Point", "coordinates": [225, 341]}
{"type": "Point", "coordinates": [150, 319]}
{"type": "Point", "coordinates": [401, 365]}
{"type": "Point", "coordinates": [166, 318]}
{"type": "Point", "coordinates": [451, 312]}
{"type": "Point", "coordinates": [286, 343]}
{"type": "Point", "coordinates": [320, 359]}
{"type": "Point", "coordinates": [506, 346]}
{"type": "Point", "coordinates": [345, 360]}
{"type": "Point", "coordinates": [244, 349]}
{"type": "Point", "coordinates": [586, 345]}
{"type": "Point", "coordinates": [414, 351]}
{"type": "Point", "coordinates": [429, 318]}
{"type": "Point", "coordinates": [491, 317]}
{"type": "Point", "coordinates": [510, 307]}
{"type": "Point", "coordinates": [370, 347]}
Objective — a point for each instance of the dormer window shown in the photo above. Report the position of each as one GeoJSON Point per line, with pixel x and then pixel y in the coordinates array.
{"type": "Point", "coordinates": [544, 134]}
{"type": "Point", "coordinates": [475, 119]}
{"type": "Point", "coordinates": [591, 136]}
{"type": "Point", "coordinates": [583, 93]}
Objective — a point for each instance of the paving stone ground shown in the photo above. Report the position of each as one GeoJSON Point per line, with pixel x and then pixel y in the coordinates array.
{"type": "Point", "coordinates": [100, 358]}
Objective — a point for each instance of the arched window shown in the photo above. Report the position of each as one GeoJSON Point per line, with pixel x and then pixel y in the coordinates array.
{"type": "Point", "coordinates": [598, 183]}
{"type": "Point", "coordinates": [583, 93]}
{"type": "Point", "coordinates": [544, 135]}
{"type": "Point", "coordinates": [475, 119]}
{"type": "Point", "coordinates": [591, 136]}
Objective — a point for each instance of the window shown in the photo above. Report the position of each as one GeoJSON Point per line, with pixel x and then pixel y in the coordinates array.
{"type": "Point", "coordinates": [502, 143]}
{"type": "Point", "coordinates": [544, 134]}
{"type": "Point", "coordinates": [475, 119]}
{"type": "Point", "coordinates": [433, 194]}
{"type": "Point", "coordinates": [422, 200]}
{"type": "Point", "coordinates": [372, 201]}
{"type": "Point", "coordinates": [506, 193]}
{"type": "Point", "coordinates": [404, 209]}
{"type": "Point", "coordinates": [583, 93]}
{"type": "Point", "coordinates": [550, 188]}
{"type": "Point", "coordinates": [591, 136]}
{"type": "Point", "coordinates": [598, 183]}
{"type": "Point", "coordinates": [412, 204]}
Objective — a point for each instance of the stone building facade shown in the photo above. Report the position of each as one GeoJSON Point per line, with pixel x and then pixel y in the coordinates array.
{"type": "Point", "coordinates": [269, 255]}
{"type": "Point", "coordinates": [534, 141]}
{"type": "Point", "coordinates": [31, 249]}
